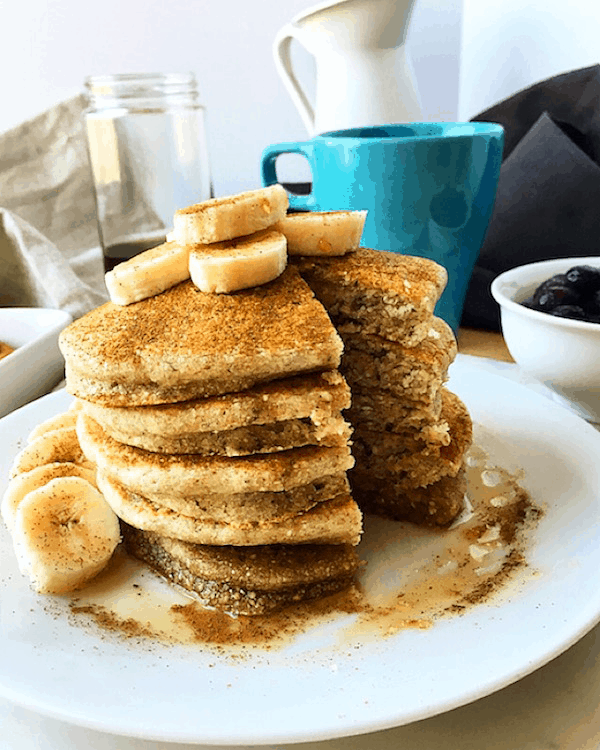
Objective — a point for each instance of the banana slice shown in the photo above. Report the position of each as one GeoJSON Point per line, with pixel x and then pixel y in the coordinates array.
{"type": "Point", "coordinates": [64, 534]}
{"type": "Point", "coordinates": [222, 219]}
{"type": "Point", "coordinates": [238, 264]}
{"type": "Point", "coordinates": [57, 445]}
{"type": "Point", "coordinates": [322, 232]}
{"type": "Point", "coordinates": [23, 484]}
{"type": "Point", "coordinates": [148, 273]}
{"type": "Point", "coordinates": [67, 419]}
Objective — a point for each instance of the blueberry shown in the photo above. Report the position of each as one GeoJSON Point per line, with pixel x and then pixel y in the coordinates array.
{"type": "Point", "coordinates": [555, 292]}
{"type": "Point", "coordinates": [559, 278]}
{"type": "Point", "coordinates": [585, 278]}
{"type": "Point", "coordinates": [544, 301]}
{"type": "Point", "coordinates": [551, 298]}
{"type": "Point", "coordinates": [569, 311]}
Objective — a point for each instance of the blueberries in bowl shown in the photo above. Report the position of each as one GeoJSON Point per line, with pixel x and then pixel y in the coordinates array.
{"type": "Point", "coordinates": [574, 294]}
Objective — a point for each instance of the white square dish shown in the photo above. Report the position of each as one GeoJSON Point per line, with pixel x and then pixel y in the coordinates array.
{"type": "Point", "coordinates": [36, 365]}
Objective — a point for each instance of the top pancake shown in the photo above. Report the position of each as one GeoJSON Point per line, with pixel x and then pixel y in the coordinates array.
{"type": "Point", "coordinates": [185, 344]}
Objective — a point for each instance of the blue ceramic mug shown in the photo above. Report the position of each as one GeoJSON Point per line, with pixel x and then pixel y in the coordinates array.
{"type": "Point", "coordinates": [429, 190]}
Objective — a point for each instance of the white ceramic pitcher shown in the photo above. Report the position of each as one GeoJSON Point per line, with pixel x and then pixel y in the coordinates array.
{"type": "Point", "coordinates": [364, 75]}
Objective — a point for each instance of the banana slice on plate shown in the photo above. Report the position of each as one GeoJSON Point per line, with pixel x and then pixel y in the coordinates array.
{"type": "Point", "coordinates": [233, 216]}
{"type": "Point", "coordinates": [20, 486]}
{"type": "Point", "coordinates": [57, 445]}
{"type": "Point", "coordinates": [66, 419]}
{"type": "Point", "coordinates": [228, 266]}
{"type": "Point", "coordinates": [148, 273]}
{"type": "Point", "coordinates": [64, 534]}
{"type": "Point", "coordinates": [322, 232]}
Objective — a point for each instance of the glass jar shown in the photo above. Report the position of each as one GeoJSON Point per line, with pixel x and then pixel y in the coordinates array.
{"type": "Point", "coordinates": [148, 154]}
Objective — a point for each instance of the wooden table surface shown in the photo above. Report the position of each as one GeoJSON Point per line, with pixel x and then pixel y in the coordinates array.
{"type": "Point", "coordinates": [483, 344]}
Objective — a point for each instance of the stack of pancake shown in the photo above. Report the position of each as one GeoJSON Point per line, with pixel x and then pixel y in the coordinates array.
{"type": "Point", "coordinates": [215, 425]}
{"type": "Point", "coordinates": [410, 432]}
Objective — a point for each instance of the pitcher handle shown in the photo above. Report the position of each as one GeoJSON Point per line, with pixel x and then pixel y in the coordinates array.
{"type": "Point", "coordinates": [269, 173]}
{"type": "Point", "coordinates": [283, 63]}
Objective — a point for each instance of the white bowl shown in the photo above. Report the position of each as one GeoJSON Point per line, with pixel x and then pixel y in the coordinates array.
{"type": "Point", "coordinates": [36, 365]}
{"type": "Point", "coordinates": [563, 354]}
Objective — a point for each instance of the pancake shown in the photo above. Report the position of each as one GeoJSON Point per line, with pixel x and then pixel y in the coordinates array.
{"type": "Point", "coordinates": [381, 410]}
{"type": "Point", "coordinates": [251, 580]}
{"type": "Point", "coordinates": [184, 344]}
{"type": "Point", "coordinates": [412, 435]}
{"type": "Point", "coordinates": [408, 462]}
{"type": "Point", "coordinates": [243, 441]}
{"type": "Point", "coordinates": [245, 509]}
{"type": "Point", "coordinates": [315, 396]}
{"type": "Point", "coordinates": [413, 373]}
{"type": "Point", "coordinates": [190, 474]}
{"type": "Point", "coordinates": [336, 521]}
{"type": "Point", "coordinates": [437, 504]}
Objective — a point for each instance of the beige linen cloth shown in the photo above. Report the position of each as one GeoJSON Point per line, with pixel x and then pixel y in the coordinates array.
{"type": "Point", "coordinates": [50, 252]}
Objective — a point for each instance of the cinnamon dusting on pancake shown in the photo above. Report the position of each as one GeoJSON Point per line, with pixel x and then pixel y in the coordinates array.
{"type": "Point", "coordinates": [153, 351]}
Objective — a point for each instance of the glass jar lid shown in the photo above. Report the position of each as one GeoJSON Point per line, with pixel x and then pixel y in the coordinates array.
{"type": "Point", "coordinates": [141, 91]}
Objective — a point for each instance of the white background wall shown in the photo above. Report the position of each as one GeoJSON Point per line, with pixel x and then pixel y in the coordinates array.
{"type": "Point", "coordinates": [509, 45]}
{"type": "Point", "coordinates": [49, 46]}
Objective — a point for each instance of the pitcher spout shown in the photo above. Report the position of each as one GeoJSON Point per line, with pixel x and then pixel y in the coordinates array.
{"type": "Point", "coordinates": [381, 24]}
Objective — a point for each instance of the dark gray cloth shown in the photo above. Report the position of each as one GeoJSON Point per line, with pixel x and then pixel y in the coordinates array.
{"type": "Point", "coordinates": [549, 187]}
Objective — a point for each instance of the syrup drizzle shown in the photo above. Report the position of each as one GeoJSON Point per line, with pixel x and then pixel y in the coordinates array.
{"type": "Point", "coordinates": [413, 577]}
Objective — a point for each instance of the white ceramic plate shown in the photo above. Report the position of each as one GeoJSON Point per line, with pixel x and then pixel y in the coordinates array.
{"type": "Point", "coordinates": [321, 687]}
{"type": "Point", "coordinates": [36, 365]}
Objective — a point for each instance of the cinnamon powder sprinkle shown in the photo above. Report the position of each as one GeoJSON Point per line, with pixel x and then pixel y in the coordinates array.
{"type": "Point", "coordinates": [107, 620]}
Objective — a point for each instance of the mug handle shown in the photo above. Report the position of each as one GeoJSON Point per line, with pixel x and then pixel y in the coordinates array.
{"type": "Point", "coordinates": [283, 64]}
{"type": "Point", "coordinates": [269, 174]}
